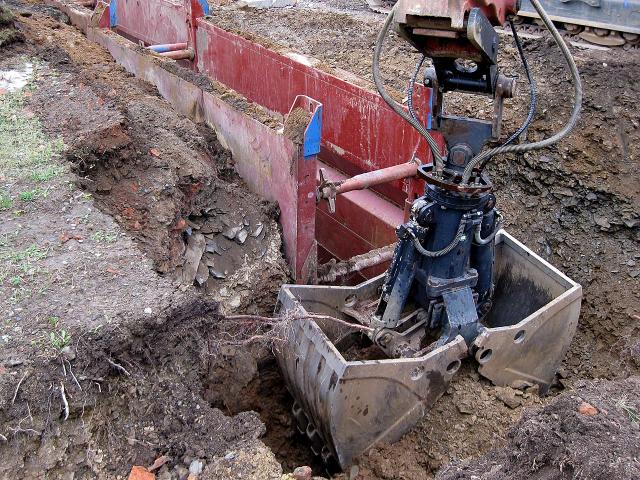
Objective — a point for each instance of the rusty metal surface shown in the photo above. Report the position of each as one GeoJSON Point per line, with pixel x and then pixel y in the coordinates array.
{"type": "Point", "coordinates": [360, 132]}
{"type": "Point", "coordinates": [157, 21]}
{"type": "Point", "coordinates": [452, 12]}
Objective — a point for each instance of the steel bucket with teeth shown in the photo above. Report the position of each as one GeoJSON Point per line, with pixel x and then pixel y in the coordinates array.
{"type": "Point", "coordinates": [345, 406]}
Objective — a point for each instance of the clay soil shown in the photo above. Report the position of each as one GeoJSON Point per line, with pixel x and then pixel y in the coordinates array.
{"type": "Point", "coordinates": [151, 366]}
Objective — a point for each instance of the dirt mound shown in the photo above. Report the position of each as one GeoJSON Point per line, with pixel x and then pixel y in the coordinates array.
{"type": "Point", "coordinates": [568, 438]}
{"type": "Point", "coordinates": [124, 395]}
{"type": "Point", "coordinates": [105, 361]}
{"type": "Point", "coordinates": [160, 175]}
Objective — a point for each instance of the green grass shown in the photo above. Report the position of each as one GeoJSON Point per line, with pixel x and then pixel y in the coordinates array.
{"type": "Point", "coordinates": [26, 152]}
{"type": "Point", "coordinates": [630, 410]}
{"type": "Point", "coordinates": [6, 203]}
{"type": "Point", "coordinates": [31, 195]}
{"type": "Point", "coordinates": [46, 173]}
{"type": "Point", "coordinates": [18, 266]}
{"type": "Point", "coordinates": [105, 237]}
{"type": "Point", "coordinates": [16, 263]}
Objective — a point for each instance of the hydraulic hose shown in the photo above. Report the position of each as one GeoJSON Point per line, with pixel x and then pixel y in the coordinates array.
{"type": "Point", "coordinates": [533, 91]}
{"type": "Point", "coordinates": [573, 119]}
{"type": "Point", "coordinates": [439, 253]}
{"type": "Point", "coordinates": [477, 234]}
{"type": "Point", "coordinates": [438, 160]}
{"type": "Point", "coordinates": [412, 84]}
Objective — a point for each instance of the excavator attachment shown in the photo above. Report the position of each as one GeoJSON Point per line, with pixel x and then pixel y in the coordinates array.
{"type": "Point", "coordinates": [348, 399]}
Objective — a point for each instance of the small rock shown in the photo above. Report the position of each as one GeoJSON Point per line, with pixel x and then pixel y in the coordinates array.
{"type": "Point", "coordinates": [231, 232]}
{"type": "Point", "coordinates": [141, 473]}
{"type": "Point", "coordinates": [181, 472]}
{"type": "Point", "coordinates": [255, 3]}
{"type": "Point", "coordinates": [217, 274]}
{"type": "Point", "coordinates": [159, 462]}
{"type": "Point", "coordinates": [464, 408]}
{"type": "Point", "coordinates": [148, 310]}
{"type": "Point", "coordinates": [258, 230]}
{"type": "Point", "coordinates": [601, 221]}
{"type": "Point", "coordinates": [196, 467]}
{"type": "Point", "coordinates": [507, 396]}
{"type": "Point", "coordinates": [302, 473]}
{"type": "Point", "coordinates": [587, 409]}
{"type": "Point", "coordinates": [68, 353]}
{"type": "Point", "coordinates": [242, 236]}
{"type": "Point", "coordinates": [230, 456]}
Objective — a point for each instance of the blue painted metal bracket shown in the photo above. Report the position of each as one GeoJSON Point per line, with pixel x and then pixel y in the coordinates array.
{"type": "Point", "coordinates": [113, 13]}
{"type": "Point", "coordinates": [313, 134]}
{"type": "Point", "coordinates": [205, 6]}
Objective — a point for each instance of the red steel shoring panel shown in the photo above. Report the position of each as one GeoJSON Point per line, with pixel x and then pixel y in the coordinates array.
{"type": "Point", "coordinates": [264, 159]}
{"type": "Point", "coordinates": [359, 129]}
{"type": "Point", "coordinates": [352, 219]}
{"type": "Point", "coordinates": [153, 22]}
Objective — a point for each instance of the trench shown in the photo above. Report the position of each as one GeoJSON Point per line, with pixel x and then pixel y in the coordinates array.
{"type": "Point", "coordinates": [160, 354]}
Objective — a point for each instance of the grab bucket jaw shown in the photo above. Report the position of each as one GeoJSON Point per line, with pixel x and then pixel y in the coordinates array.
{"type": "Point", "coordinates": [346, 406]}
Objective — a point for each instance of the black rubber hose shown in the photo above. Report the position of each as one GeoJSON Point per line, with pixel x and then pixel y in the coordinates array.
{"type": "Point", "coordinates": [438, 160]}
{"type": "Point", "coordinates": [483, 157]}
{"type": "Point", "coordinates": [533, 91]}
{"type": "Point", "coordinates": [412, 84]}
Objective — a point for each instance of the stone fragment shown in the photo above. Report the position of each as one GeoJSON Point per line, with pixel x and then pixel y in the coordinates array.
{"type": "Point", "coordinates": [231, 232]}
{"type": "Point", "coordinates": [196, 467]}
{"type": "Point", "coordinates": [140, 473]}
{"type": "Point", "coordinates": [302, 473]}
{"type": "Point", "coordinates": [587, 409]}
{"type": "Point", "coordinates": [242, 236]}
{"type": "Point", "coordinates": [602, 222]}
{"type": "Point", "coordinates": [195, 248]}
{"type": "Point", "coordinates": [202, 274]}
{"type": "Point", "coordinates": [159, 462]}
{"type": "Point", "coordinates": [507, 396]}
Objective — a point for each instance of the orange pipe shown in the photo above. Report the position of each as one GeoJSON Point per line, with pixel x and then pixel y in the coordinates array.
{"type": "Point", "coordinates": [187, 54]}
{"type": "Point", "coordinates": [377, 177]}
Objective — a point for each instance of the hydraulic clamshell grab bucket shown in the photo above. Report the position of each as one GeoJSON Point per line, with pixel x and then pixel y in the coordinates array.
{"type": "Point", "coordinates": [346, 406]}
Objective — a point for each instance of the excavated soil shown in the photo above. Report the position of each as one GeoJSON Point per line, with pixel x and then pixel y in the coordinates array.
{"type": "Point", "coordinates": [152, 368]}
{"type": "Point", "coordinates": [577, 205]}
{"type": "Point", "coordinates": [111, 356]}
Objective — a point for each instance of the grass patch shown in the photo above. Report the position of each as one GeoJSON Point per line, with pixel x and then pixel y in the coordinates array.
{"type": "Point", "coordinates": [58, 337]}
{"type": "Point", "coordinates": [629, 409]}
{"type": "Point", "coordinates": [5, 201]}
{"type": "Point", "coordinates": [105, 237]}
{"type": "Point", "coordinates": [46, 173]}
{"type": "Point", "coordinates": [26, 152]}
{"type": "Point", "coordinates": [31, 195]}
{"type": "Point", "coordinates": [16, 263]}
{"type": "Point", "coordinates": [17, 266]}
